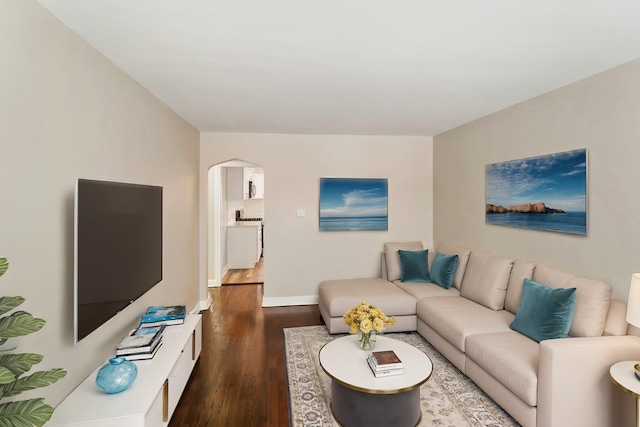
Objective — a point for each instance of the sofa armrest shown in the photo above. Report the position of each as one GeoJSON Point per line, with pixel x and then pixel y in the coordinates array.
{"type": "Point", "coordinates": [574, 387]}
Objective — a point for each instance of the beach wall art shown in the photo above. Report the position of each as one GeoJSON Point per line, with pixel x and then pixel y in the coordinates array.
{"type": "Point", "coordinates": [544, 193]}
{"type": "Point", "coordinates": [348, 204]}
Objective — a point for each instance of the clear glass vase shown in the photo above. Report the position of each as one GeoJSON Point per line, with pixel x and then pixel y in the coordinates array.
{"type": "Point", "coordinates": [367, 341]}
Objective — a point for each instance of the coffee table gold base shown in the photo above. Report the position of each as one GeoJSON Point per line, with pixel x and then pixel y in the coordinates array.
{"type": "Point", "coordinates": [357, 408]}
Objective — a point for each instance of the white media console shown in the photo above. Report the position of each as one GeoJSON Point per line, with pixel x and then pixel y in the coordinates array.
{"type": "Point", "coordinates": [153, 396]}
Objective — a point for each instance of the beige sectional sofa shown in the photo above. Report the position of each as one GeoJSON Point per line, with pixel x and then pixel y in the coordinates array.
{"type": "Point", "coordinates": [552, 383]}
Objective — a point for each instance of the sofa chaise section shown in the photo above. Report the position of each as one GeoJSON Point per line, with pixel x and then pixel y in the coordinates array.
{"type": "Point", "coordinates": [336, 297]}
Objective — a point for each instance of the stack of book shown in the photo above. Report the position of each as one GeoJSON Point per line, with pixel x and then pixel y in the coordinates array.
{"type": "Point", "coordinates": [141, 343]}
{"type": "Point", "coordinates": [385, 363]}
{"type": "Point", "coordinates": [157, 315]}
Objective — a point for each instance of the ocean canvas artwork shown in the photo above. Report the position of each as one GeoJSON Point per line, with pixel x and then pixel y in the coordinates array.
{"type": "Point", "coordinates": [544, 193]}
{"type": "Point", "coordinates": [348, 204]}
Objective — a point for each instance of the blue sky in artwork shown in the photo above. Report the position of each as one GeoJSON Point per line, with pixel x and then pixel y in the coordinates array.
{"type": "Point", "coordinates": [559, 180]}
{"type": "Point", "coordinates": [353, 197]}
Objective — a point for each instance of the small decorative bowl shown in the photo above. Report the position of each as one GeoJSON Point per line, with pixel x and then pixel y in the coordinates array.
{"type": "Point", "coordinates": [636, 370]}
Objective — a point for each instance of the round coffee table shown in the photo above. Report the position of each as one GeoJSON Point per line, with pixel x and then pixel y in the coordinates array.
{"type": "Point", "coordinates": [358, 398]}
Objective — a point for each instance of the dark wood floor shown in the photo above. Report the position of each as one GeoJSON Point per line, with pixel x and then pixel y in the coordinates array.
{"type": "Point", "coordinates": [240, 379]}
{"type": "Point", "coordinates": [244, 276]}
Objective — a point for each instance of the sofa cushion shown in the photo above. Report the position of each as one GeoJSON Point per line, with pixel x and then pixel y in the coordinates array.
{"type": "Point", "coordinates": [394, 272]}
{"type": "Point", "coordinates": [521, 270]}
{"type": "Point", "coordinates": [443, 270]}
{"type": "Point", "coordinates": [414, 266]}
{"type": "Point", "coordinates": [463, 258]}
{"type": "Point", "coordinates": [510, 358]}
{"type": "Point", "coordinates": [593, 298]}
{"type": "Point", "coordinates": [455, 319]}
{"type": "Point", "coordinates": [545, 313]}
{"type": "Point", "coordinates": [426, 290]}
{"type": "Point", "coordinates": [339, 296]}
{"type": "Point", "coordinates": [486, 279]}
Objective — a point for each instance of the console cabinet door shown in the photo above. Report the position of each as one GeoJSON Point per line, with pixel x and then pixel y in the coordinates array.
{"type": "Point", "coordinates": [180, 375]}
{"type": "Point", "coordinates": [158, 413]}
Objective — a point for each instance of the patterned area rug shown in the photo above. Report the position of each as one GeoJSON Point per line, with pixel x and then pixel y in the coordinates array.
{"type": "Point", "coordinates": [447, 399]}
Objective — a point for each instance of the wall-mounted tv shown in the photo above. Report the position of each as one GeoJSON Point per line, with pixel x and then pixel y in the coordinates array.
{"type": "Point", "coordinates": [117, 249]}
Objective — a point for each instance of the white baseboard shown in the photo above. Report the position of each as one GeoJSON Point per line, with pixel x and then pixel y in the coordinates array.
{"type": "Point", "coordinates": [285, 301]}
{"type": "Point", "coordinates": [213, 283]}
{"type": "Point", "coordinates": [204, 305]}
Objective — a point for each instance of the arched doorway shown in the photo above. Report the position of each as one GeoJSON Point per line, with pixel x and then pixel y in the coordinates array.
{"type": "Point", "coordinates": [235, 197]}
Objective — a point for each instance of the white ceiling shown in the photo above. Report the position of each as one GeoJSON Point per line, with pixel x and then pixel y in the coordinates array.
{"type": "Point", "coordinates": [382, 67]}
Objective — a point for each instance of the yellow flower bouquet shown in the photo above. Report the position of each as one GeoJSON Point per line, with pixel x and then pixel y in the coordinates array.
{"type": "Point", "coordinates": [367, 320]}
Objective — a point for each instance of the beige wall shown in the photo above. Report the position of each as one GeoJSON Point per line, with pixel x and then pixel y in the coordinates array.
{"type": "Point", "coordinates": [601, 114]}
{"type": "Point", "coordinates": [67, 112]}
{"type": "Point", "coordinates": [298, 256]}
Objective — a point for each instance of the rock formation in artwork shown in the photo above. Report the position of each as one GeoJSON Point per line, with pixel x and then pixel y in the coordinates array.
{"type": "Point", "coordinates": [538, 207]}
{"type": "Point", "coordinates": [495, 209]}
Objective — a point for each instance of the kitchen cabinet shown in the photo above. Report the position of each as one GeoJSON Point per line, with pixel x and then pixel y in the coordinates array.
{"type": "Point", "coordinates": [238, 180]}
{"type": "Point", "coordinates": [236, 190]}
{"type": "Point", "coordinates": [244, 245]}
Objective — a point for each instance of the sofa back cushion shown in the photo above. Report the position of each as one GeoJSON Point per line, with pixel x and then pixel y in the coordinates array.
{"type": "Point", "coordinates": [463, 259]}
{"type": "Point", "coordinates": [521, 270]}
{"type": "Point", "coordinates": [486, 279]}
{"type": "Point", "coordinates": [593, 298]}
{"type": "Point", "coordinates": [394, 271]}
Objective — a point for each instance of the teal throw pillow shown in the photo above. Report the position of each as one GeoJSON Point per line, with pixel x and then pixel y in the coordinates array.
{"type": "Point", "coordinates": [443, 270]}
{"type": "Point", "coordinates": [545, 313]}
{"type": "Point", "coordinates": [414, 266]}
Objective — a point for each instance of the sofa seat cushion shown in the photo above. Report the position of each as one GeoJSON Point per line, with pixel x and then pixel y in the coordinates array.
{"type": "Point", "coordinates": [510, 358]}
{"type": "Point", "coordinates": [339, 296]}
{"type": "Point", "coordinates": [456, 318]}
{"type": "Point", "coordinates": [426, 290]}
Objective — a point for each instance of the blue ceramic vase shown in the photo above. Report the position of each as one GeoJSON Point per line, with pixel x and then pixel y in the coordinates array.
{"type": "Point", "coordinates": [116, 376]}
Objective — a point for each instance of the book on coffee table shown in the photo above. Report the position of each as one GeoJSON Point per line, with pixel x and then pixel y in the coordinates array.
{"type": "Point", "coordinates": [379, 373]}
{"type": "Point", "coordinates": [385, 360]}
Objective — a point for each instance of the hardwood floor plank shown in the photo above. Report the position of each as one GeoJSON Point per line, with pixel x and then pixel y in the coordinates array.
{"type": "Point", "coordinates": [241, 379]}
{"type": "Point", "coordinates": [245, 276]}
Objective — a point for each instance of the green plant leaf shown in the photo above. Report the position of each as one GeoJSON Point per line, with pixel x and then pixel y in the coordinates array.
{"type": "Point", "coordinates": [25, 413]}
{"type": "Point", "coordinates": [4, 265]}
{"type": "Point", "coordinates": [19, 324]}
{"type": "Point", "coordinates": [6, 376]}
{"type": "Point", "coordinates": [9, 303]}
{"type": "Point", "coordinates": [30, 382]}
{"type": "Point", "coordinates": [19, 363]}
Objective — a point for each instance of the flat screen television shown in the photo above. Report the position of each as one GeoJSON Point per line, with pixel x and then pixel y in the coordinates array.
{"type": "Point", "coordinates": [117, 249]}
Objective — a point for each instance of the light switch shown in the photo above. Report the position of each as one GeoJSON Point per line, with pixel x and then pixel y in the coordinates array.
{"type": "Point", "coordinates": [301, 212]}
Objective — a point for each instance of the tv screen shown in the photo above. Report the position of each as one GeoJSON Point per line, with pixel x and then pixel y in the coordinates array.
{"type": "Point", "coordinates": [118, 248]}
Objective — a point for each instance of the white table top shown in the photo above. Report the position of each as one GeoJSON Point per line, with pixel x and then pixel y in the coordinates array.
{"type": "Point", "coordinates": [344, 361]}
{"type": "Point", "coordinates": [622, 374]}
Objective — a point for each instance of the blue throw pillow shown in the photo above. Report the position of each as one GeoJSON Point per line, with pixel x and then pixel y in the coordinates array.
{"type": "Point", "coordinates": [414, 266]}
{"type": "Point", "coordinates": [545, 313]}
{"type": "Point", "coordinates": [443, 269]}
